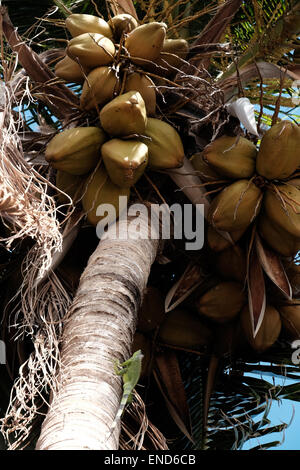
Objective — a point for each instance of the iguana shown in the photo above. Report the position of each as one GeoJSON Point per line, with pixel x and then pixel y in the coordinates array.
{"type": "Point", "coordinates": [130, 371]}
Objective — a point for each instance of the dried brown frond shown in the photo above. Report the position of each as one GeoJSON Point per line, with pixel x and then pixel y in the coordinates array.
{"type": "Point", "coordinates": [37, 375]}
{"type": "Point", "coordinates": [28, 212]}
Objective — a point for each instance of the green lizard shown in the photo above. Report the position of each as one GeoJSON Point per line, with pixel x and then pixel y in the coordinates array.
{"type": "Point", "coordinates": [130, 371]}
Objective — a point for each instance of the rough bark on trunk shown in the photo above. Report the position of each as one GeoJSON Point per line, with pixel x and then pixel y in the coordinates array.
{"type": "Point", "coordinates": [99, 330]}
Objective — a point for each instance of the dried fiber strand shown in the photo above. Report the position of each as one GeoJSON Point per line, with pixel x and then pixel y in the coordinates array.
{"type": "Point", "coordinates": [28, 212]}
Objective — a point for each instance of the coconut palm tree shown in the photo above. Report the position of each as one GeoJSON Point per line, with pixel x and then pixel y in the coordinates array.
{"type": "Point", "coordinates": [72, 320]}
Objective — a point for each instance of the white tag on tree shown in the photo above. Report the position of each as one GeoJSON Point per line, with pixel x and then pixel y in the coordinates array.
{"type": "Point", "coordinates": [244, 111]}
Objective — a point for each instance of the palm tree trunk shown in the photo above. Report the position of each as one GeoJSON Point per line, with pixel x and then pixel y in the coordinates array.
{"type": "Point", "coordinates": [99, 330]}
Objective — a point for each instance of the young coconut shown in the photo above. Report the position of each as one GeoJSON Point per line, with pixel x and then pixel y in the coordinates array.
{"type": "Point", "coordinates": [290, 317]}
{"type": "Point", "coordinates": [222, 302]}
{"type": "Point", "coordinates": [75, 151]}
{"type": "Point", "coordinates": [145, 42]}
{"type": "Point", "coordinates": [279, 239]}
{"type": "Point", "coordinates": [281, 206]}
{"type": "Point", "coordinates": [205, 172]}
{"type": "Point", "coordinates": [78, 24]}
{"type": "Point", "coordinates": [170, 58]}
{"type": "Point", "coordinates": [268, 332]}
{"type": "Point", "coordinates": [172, 54]}
{"type": "Point", "coordinates": [100, 87]}
{"type": "Point", "coordinates": [125, 161]}
{"type": "Point", "coordinates": [71, 185]}
{"type": "Point", "coordinates": [232, 157]}
{"type": "Point", "coordinates": [122, 24]}
{"type": "Point", "coordinates": [279, 155]}
{"type": "Point", "coordinates": [144, 85]}
{"type": "Point", "coordinates": [99, 189]}
{"type": "Point", "coordinates": [236, 206]}
{"type": "Point", "coordinates": [184, 330]}
{"type": "Point", "coordinates": [124, 115]}
{"type": "Point", "coordinates": [91, 49]}
{"type": "Point", "coordinates": [70, 71]}
{"type": "Point", "coordinates": [164, 145]}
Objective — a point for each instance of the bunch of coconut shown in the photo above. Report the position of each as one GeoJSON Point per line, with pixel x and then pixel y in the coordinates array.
{"type": "Point", "coordinates": [253, 186]}
{"type": "Point", "coordinates": [113, 61]}
{"type": "Point", "coordinates": [261, 187]}
{"type": "Point", "coordinates": [220, 322]}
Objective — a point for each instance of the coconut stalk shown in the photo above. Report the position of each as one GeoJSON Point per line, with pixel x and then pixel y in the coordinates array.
{"type": "Point", "coordinates": [99, 330]}
{"type": "Point", "coordinates": [190, 184]}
